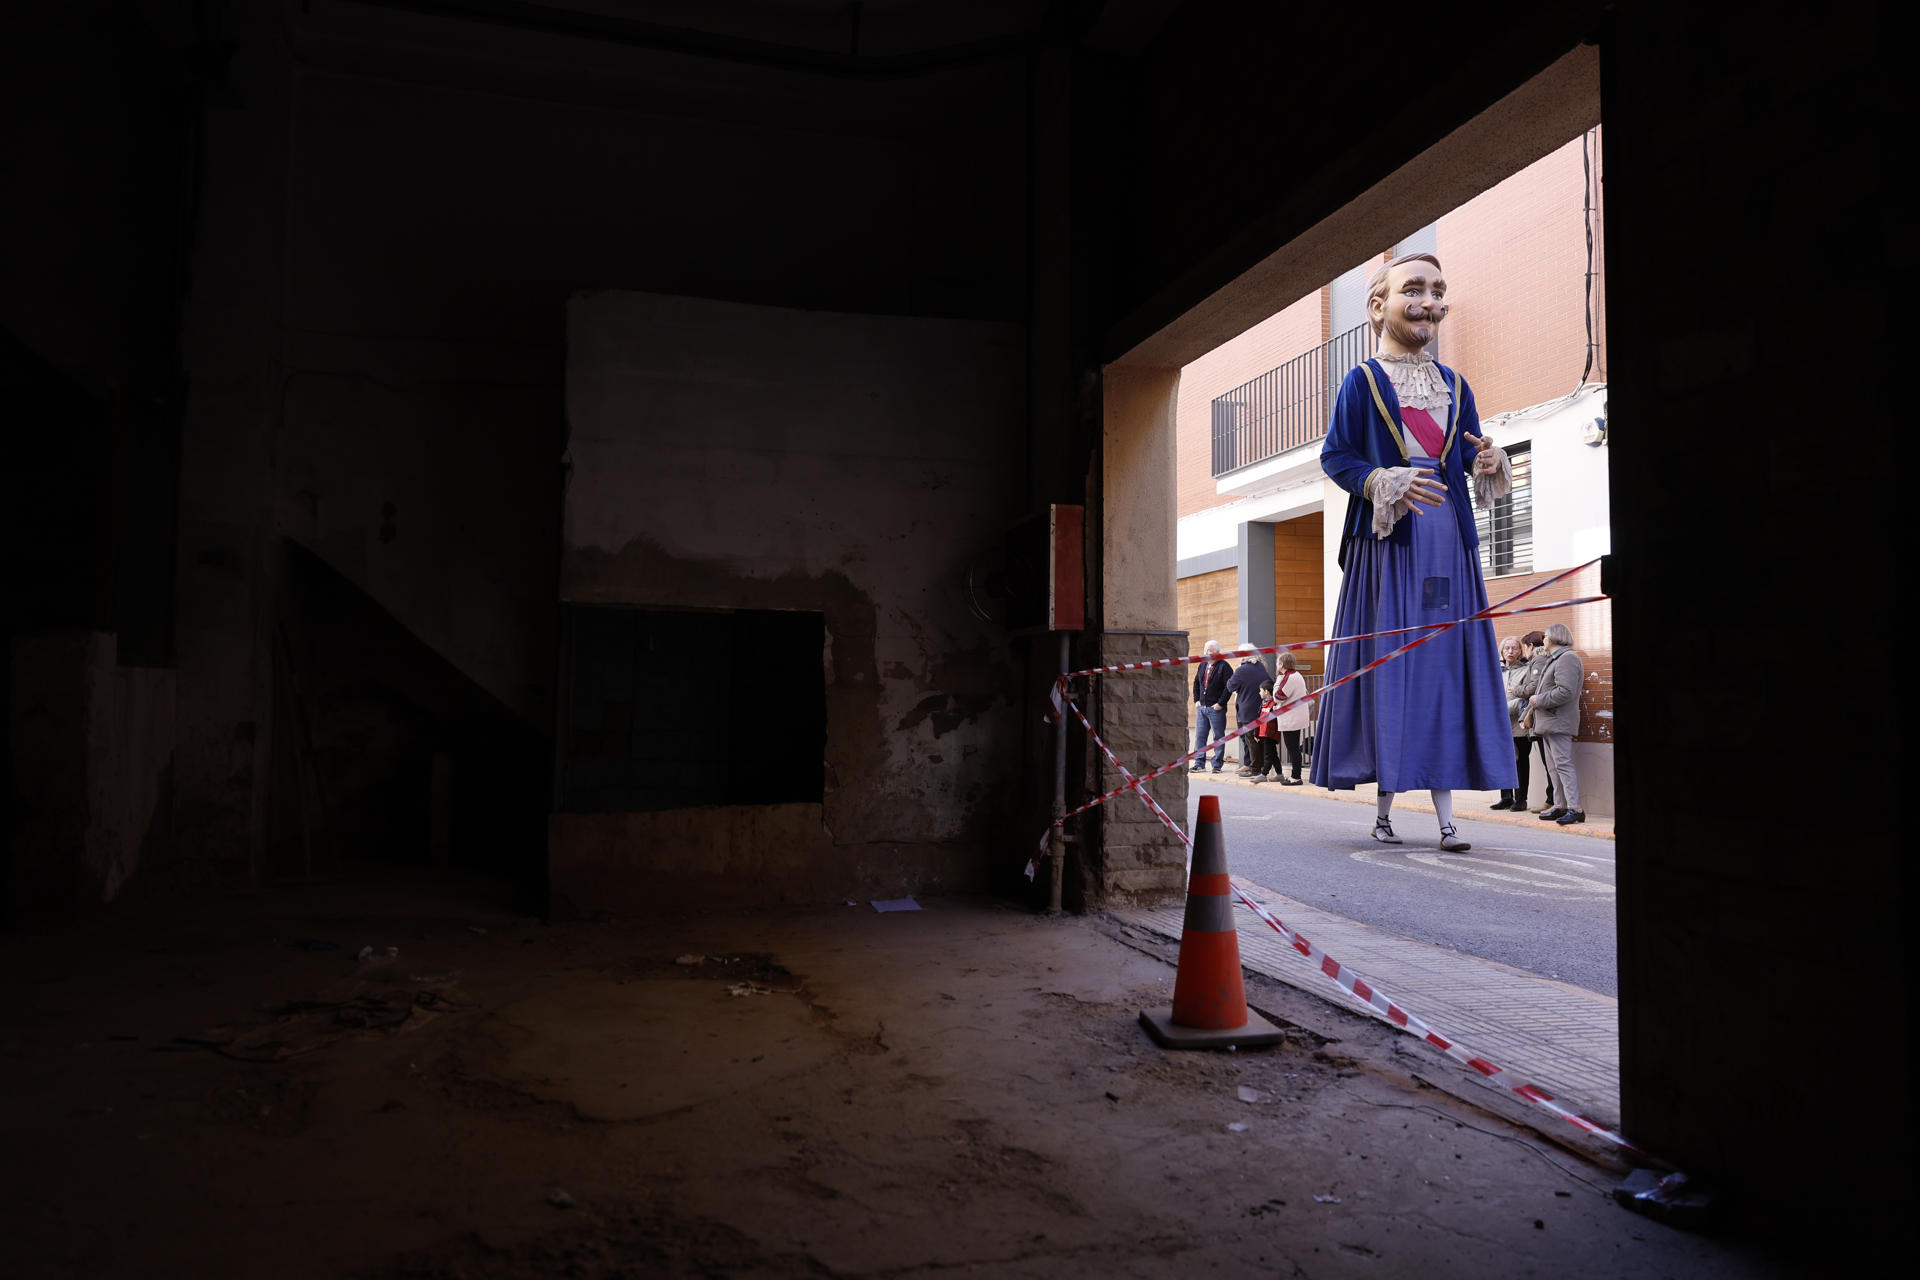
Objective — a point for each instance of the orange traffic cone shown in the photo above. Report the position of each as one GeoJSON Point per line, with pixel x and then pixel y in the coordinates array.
{"type": "Point", "coordinates": [1209, 999]}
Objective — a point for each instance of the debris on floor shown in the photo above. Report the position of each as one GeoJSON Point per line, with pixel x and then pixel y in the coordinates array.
{"type": "Point", "coordinates": [373, 998]}
{"type": "Point", "coordinates": [1670, 1198]}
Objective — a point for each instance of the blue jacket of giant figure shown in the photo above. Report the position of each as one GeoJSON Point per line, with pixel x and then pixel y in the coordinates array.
{"type": "Point", "coordinates": [1365, 435]}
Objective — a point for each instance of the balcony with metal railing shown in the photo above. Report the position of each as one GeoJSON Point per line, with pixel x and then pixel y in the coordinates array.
{"type": "Point", "coordinates": [1286, 407]}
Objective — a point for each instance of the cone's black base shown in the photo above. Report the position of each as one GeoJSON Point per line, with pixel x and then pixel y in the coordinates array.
{"type": "Point", "coordinates": [1255, 1031]}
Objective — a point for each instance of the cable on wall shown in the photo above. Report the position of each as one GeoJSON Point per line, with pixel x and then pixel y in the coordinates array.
{"type": "Point", "coordinates": [1588, 205]}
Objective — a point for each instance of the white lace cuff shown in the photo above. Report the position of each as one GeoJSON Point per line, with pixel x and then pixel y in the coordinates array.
{"type": "Point", "coordinates": [1387, 489]}
{"type": "Point", "coordinates": [1491, 486]}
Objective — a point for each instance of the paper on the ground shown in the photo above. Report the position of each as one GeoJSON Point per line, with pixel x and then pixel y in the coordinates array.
{"type": "Point", "coordinates": [895, 904]}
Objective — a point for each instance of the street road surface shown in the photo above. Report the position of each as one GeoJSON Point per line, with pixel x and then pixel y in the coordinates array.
{"type": "Point", "coordinates": [1533, 896]}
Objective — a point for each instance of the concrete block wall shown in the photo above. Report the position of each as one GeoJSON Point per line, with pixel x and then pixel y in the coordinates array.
{"type": "Point", "coordinates": [1143, 716]}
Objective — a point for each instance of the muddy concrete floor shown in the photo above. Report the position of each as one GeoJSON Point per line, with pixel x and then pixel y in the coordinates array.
{"type": "Point", "coordinates": [213, 1090]}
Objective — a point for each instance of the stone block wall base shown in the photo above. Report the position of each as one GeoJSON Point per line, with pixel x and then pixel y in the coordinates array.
{"type": "Point", "coordinates": [1142, 716]}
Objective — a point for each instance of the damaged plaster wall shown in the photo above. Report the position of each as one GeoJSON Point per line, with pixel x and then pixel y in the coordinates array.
{"type": "Point", "coordinates": [741, 457]}
{"type": "Point", "coordinates": [397, 207]}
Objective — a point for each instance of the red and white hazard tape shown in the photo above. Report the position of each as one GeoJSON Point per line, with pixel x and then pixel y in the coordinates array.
{"type": "Point", "coordinates": [1132, 783]}
{"type": "Point", "coordinates": [1359, 987]}
{"type": "Point", "coordinates": [1377, 1000]}
{"type": "Point", "coordinates": [1349, 981]}
{"type": "Point", "coordinates": [1439, 629]}
{"type": "Point", "coordinates": [1496, 610]}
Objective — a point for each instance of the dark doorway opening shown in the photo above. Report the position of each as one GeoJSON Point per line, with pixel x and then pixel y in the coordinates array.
{"type": "Point", "coordinates": [680, 708]}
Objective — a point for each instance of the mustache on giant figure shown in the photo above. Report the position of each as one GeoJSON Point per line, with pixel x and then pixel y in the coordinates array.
{"type": "Point", "coordinates": [1416, 323]}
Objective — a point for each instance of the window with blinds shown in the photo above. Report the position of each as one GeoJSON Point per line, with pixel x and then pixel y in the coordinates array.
{"type": "Point", "coordinates": [1506, 528]}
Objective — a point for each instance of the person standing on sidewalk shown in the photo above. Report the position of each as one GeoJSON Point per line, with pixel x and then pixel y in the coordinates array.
{"type": "Point", "coordinates": [1292, 721]}
{"type": "Point", "coordinates": [1210, 707]}
{"type": "Point", "coordinates": [1533, 650]}
{"type": "Point", "coordinates": [1403, 443]}
{"type": "Point", "coordinates": [1515, 670]}
{"type": "Point", "coordinates": [1245, 687]}
{"type": "Point", "coordinates": [1556, 718]}
{"type": "Point", "coordinates": [1266, 739]}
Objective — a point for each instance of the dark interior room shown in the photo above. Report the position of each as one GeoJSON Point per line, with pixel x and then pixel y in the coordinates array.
{"type": "Point", "coordinates": [509, 519]}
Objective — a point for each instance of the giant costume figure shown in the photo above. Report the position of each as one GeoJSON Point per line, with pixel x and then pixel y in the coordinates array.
{"type": "Point", "coordinates": [1402, 442]}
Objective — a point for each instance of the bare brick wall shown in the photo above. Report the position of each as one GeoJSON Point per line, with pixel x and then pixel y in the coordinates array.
{"type": "Point", "coordinates": [1209, 609]}
{"type": "Point", "coordinates": [1299, 587]}
{"type": "Point", "coordinates": [1592, 626]}
{"type": "Point", "coordinates": [1516, 261]}
{"type": "Point", "coordinates": [1297, 329]}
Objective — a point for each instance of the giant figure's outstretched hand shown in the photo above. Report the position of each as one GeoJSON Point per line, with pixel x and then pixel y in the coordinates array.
{"type": "Point", "coordinates": [1486, 455]}
{"type": "Point", "coordinates": [1425, 491]}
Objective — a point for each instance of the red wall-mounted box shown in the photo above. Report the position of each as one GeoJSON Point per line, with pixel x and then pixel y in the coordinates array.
{"type": "Point", "coordinates": [1047, 571]}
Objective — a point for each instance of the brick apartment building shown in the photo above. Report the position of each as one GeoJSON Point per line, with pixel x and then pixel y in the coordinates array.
{"type": "Point", "coordinates": [1259, 523]}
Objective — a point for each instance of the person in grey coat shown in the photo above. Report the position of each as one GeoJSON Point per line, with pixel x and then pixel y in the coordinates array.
{"type": "Point", "coordinates": [1244, 685]}
{"type": "Point", "coordinates": [1555, 711]}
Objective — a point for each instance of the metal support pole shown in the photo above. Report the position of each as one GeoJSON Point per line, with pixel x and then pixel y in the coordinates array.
{"type": "Point", "coordinates": [1058, 871]}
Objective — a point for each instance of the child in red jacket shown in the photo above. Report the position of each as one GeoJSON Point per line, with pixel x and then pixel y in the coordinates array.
{"type": "Point", "coordinates": [1266, 741]}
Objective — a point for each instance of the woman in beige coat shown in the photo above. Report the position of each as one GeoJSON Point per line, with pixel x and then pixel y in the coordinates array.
{"type": "Point", "coordinates": [1533, 652]}
{"type": "Point", "coordinates": [1288, 685]}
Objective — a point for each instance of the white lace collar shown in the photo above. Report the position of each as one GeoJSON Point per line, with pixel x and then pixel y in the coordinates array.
{"type": "Point", "coordinates": [1416, 381]}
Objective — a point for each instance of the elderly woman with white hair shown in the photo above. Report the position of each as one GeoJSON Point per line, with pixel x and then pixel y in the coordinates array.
{"type": "Point", "coordinates": [1555, 711]}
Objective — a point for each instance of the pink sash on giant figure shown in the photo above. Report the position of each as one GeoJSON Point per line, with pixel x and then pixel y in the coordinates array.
{"type": "Point", "coordinates": [1432, 439]}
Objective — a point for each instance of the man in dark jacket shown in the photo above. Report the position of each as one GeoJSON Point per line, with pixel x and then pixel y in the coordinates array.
{"type": "Point", "coordinates": [1210, 707]}
{"type": "Point", "coordinates": [1245, 687]}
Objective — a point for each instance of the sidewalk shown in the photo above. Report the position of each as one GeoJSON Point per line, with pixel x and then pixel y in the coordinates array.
{"type": "Point", "coordinates": [1560, 1037]}
{"type": "Point", "coordinates": [1466, 804]}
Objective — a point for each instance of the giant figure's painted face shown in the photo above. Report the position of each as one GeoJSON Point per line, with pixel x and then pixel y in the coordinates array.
{"type": "Point", "coordinates": [1415, 304]}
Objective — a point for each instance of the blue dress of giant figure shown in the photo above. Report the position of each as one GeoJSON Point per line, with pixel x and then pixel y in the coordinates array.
{"type": "Point", "coordinates": [1434, 718]}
